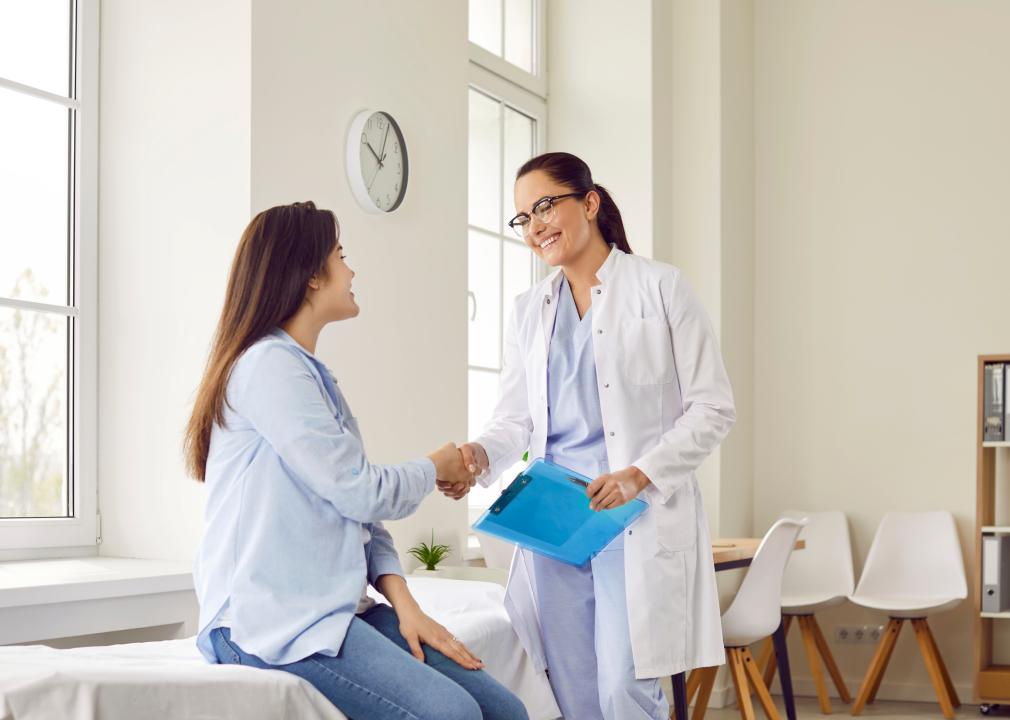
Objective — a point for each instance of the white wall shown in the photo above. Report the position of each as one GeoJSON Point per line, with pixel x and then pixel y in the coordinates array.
{"type": "Point", "coordinates": [174, 196]}
{"type": "Point", "coordinates": [211, 113]}
{"type": "Point", "coordinates": [600, 101]}
{"type": "Point", "coordinates": [402, 362]}
{"type": "Point", "coordinates": [883, 243]}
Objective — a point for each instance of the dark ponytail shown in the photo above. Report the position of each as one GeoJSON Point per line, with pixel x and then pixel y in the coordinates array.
{"type": "Point", "coordinates": [571, 171]}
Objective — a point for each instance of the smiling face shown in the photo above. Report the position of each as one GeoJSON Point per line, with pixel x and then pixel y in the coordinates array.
{"type": "Point", "coordinates": [566, 235]}
{"type": "Point", "coordinates": [330, 294]}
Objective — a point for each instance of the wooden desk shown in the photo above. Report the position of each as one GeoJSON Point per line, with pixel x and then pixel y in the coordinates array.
{"type": "Point", "coordinates": [729, 554]}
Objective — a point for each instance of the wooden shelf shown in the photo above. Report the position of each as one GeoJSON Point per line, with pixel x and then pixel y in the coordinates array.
{"type": "Point", "coordinates": [992, 682]}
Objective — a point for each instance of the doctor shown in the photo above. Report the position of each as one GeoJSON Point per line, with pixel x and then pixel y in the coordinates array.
{"type": "Point", "coordinates": [610, 368]}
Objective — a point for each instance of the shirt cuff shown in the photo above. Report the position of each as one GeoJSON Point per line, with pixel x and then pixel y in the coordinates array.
{"type": "Point", "coordinates": [385, 565]}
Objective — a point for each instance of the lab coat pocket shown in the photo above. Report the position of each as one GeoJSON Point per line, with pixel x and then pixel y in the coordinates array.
{"type": "Point", "coordinates": [648, 352]}
{"type": "Point", "coordinates": [676, 521]}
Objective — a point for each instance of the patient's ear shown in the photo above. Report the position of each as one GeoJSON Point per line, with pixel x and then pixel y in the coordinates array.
{"type": "Point", "coordinates": [314, 282]}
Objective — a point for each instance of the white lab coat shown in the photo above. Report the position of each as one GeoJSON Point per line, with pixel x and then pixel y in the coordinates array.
{"type": "Point", "coordinates": [666, 403]}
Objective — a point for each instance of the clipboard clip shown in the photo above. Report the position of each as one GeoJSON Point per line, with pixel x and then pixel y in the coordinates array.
{"type": "Point", "coordinates": [511, 492]}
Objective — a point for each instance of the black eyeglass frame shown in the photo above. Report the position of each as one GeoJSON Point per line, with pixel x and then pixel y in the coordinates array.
{"type": "Point", "coordinates": [518, 228]}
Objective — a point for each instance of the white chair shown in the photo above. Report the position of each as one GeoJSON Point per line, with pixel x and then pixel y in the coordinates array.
{"type": "Point", "coordinates": [914, 570]}
{"type": "Point", "coordinates": [817, 578]}
{"type": "Point", "coordinates": [755, 613]}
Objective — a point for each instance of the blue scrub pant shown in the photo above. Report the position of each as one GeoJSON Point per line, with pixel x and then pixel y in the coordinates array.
{"type": "Point", "coordinates": [584, 620]}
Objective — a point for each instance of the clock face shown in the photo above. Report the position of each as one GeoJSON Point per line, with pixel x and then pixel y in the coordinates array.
{"type": "Point", "coordinates": [383, 157]}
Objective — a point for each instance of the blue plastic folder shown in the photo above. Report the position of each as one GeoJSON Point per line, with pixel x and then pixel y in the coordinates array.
{"type": "Point", "coordinates": [546, 510]}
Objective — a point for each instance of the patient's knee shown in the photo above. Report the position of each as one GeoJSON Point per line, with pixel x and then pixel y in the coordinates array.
{"type": "Point", "coordinates": [461, 706]}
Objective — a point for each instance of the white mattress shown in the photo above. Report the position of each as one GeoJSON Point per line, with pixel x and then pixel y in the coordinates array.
{"type": "Point", "coordinates": [170, 680]}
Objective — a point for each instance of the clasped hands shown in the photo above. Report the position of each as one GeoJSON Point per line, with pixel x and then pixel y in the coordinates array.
{"type": "Point", "coordinates": [462, 466]}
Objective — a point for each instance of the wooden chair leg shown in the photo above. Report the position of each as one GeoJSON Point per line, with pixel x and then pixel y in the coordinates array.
{"type": "Point", "coordinates": [877, 665]}
{"type": "Point", "coordinates": [876, 685]}
{"type": "Point", "coordinates": [736, 666]}
{"type": "Point", "coordinates": [829, 661]}
{"type": "Point", "coordinates": [935, 675]}
{"type": "Point", "coordinates": [766, 660]}
{"type": "Point", "coordinates": [810, 644]}
{"type": "Point", "coordinates": [694, 682]}
{"type": "Point", "coordinates": [704, 692]}
{"type": "Point", "coordinates": [759, 686]}
{"type": "Point", "coordinates": [772, 664]}
{"type": "Point", "coordinates": [951, 692]}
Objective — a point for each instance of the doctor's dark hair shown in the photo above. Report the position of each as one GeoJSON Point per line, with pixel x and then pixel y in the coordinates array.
{"type": "Point", "coordinates": [280, 251]}
{"type": "Point", "coordinates": [572, 171]}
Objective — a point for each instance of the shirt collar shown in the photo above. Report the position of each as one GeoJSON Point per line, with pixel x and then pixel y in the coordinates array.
{"type": "Point", "coordinates": [285, 338]}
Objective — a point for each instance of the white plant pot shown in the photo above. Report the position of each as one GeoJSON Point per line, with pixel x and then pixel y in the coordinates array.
{"type": "Point", "coordinates": [428, 573]}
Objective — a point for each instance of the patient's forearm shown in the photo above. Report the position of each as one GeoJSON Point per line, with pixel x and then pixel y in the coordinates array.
{"type": "Point", "coordinates": [395, 589]}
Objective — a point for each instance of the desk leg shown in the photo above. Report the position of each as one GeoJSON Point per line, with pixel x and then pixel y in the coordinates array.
{"type": "Point", "coordinates": [679, 697]}
{"type": "Point", "coordinates": [785, 675]}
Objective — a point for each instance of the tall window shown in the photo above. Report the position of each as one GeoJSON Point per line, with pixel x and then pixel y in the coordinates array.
{"type": "Point", "coordinates": [48, 144]}
{"type": "Point", "coordinates": [506, 127]}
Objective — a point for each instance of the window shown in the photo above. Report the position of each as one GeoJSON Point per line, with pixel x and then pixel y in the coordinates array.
{"type": "Point", "coordinates": [48, 154]}
{"type": "Point", "coordinates": [507, 114]}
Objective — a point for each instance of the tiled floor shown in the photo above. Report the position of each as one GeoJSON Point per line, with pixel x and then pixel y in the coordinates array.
{"type": "Point", "coordinates": [808, 709]}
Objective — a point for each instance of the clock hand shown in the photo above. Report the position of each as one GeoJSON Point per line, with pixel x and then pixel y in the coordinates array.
{"type": "Point", "coordinates": [374, 154]}
{"type": "Point", "coordinates": [383, 149]}
{"type": "Point", "coordinates": [374, 176]}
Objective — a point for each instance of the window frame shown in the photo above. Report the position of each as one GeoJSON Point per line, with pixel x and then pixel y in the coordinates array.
{"type": "Point", "coordinates": [25, 538]}
{"type": "Point", "coordinates": [521, 92]}
{"type": "Point", "coordinates": [535, 82]}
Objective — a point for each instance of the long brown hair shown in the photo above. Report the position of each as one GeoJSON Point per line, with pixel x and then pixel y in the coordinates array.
{"type": "Point", "coordinates": [572, 171]}
{"type": "Point", "coordinates": [280, 251]}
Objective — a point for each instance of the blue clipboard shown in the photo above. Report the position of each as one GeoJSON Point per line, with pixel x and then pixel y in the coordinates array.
{"type": "Point", "coordinates": [546, 510]}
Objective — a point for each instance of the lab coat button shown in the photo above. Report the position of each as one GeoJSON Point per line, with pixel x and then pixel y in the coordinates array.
{"type": "Point", "coordinates": [599, 332]}
{"type": "Point", "coordinates": [598, 291]}
{"type": "Point", "coordinates": [611, 433]}
{"type": "Point", "coordinates": [606, 385]}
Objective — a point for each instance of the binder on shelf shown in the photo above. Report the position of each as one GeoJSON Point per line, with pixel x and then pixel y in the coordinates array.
{"type": "Point", "coordinates": [994, 413]}
{"type": "Point", "coordinates": [995, 573]}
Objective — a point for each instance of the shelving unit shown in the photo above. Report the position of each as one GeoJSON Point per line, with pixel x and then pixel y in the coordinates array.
{"type": "Point", "coordinates": [992, 682]}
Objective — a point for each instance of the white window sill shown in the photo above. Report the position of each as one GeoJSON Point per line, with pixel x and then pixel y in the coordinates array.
{"type": "Point", "coordinates": [46, 599]}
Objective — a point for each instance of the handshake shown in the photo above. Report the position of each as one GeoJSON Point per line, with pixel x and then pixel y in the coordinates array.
{"type": "Point", "coordinates": [457, 468]}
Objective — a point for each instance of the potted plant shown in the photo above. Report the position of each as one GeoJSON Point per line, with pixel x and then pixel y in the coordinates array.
{"type": "Point", "coordinates": [430, 555]}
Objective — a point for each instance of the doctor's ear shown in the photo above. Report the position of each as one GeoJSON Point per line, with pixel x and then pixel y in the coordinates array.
{"type": "Point", "coordinates": [592, 204]}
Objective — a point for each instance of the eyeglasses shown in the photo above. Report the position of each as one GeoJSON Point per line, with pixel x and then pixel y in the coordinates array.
{"type": "Point", "coordinates": [544, 210]}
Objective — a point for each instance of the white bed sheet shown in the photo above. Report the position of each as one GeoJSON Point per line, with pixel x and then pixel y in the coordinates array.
{"type": "Point", "coordinates": [170, 680]}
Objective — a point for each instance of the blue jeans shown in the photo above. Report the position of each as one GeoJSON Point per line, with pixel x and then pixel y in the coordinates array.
{"type": "Point", "coordinates": [374, 676]}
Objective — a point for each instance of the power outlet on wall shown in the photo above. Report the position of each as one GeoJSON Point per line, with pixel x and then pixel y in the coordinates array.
{"type": "Point", "coordinates": [859, 634]}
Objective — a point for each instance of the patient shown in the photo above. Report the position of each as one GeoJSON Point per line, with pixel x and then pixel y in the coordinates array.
{"type": "Point", "coordinates": [294, 508]}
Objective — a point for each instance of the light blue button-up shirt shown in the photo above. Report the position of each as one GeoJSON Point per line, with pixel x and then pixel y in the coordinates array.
{"type": "Point", "coordinates": [291, 495]}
